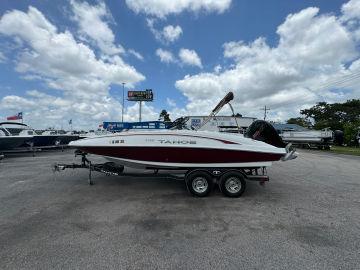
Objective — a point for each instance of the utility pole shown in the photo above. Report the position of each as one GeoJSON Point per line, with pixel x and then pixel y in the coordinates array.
{"type": "Point", "coordinates": [123, 103]}
{"type": "Point", "coordinates": [140, 111]}
{"type": "Point", "coordinates": [265, 109]}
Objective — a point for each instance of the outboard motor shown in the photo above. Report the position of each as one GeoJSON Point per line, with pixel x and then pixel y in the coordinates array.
{"type": "Point", "coordinates": [263, 131]}
{"type": "Point", "coordinates": [338, 137]}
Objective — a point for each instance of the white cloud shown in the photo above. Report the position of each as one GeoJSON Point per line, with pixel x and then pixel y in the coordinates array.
{"type": "Point", "coordinates": [171, 102]}
{"type": "Point", "coordinates": [217, 69]}
{"type": "Point", "coordinates": [351, 10]}
{"type": "Point", "coordinates": [171, 33]}
{"type": "Point", "coordinates": [162, 8]}
{"type": "Point", "coordinates": [312, 49]}
{"type": "Point", "coordinates": [136, 54]}
{"type": "Point", "coordinates": [57, 55]}
{"type": "Point", "coordinates": [167, 35]}
{"type": "Point", "coordinates": [2, 58]}
{"type": "Point", "coordinates": [186, 57]}
{"type": "Point", "coordinates": [190, 57]}
{"type": "Point", "coordinates": [165, 56]}
{"type": "Point", "coordinates": [42, 110]}
{"type": "Point", "coordinates": [351, 17]}
{"type": "Point", "coordinates": [157, 34]}
{"type": "Point", "coordinates": [147, 113]}
{"type": "Point", "coordinates": [58, 60]}
{"type": "Point", "coordinates": [92, 24]}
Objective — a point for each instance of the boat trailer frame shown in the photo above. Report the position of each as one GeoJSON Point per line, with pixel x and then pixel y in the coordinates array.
{"type": "Point", "coordinates": [258, 174]}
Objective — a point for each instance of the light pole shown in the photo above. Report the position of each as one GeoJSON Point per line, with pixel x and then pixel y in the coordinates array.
{"type": "Point", "coordinates": [123, 102]}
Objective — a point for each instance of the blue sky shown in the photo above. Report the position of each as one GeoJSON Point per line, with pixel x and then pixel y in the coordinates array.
{"type": "Point", "coordinates": [250, 47]}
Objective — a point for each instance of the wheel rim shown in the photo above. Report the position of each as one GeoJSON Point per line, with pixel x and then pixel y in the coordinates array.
{"type": "Point", "coordinates": [199, 184]}
{"type": "Point", "coordinates": [233, 184]}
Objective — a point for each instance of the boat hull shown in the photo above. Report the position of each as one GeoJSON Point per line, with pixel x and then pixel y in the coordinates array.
{"type": "Point", "coordinates": [177, 157]}
{"type": "Point", "coordinates": [44, 140]}
{"type": "Point", "coordinates": [8, 143]}
{"type": "Point", "coordinates": [66, 139]}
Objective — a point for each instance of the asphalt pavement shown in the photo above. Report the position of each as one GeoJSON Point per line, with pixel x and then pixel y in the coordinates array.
{"type": "Point", "coordinates": [306, 217]}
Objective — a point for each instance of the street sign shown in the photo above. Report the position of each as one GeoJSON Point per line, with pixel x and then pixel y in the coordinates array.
{"type": "Point", "coordinates": [146, 95]}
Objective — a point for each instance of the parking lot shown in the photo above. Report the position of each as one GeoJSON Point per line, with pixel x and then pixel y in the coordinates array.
{"type": "Point", "coordinates": [306, 217]}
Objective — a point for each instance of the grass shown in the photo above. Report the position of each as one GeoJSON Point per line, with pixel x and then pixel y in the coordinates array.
{"type": "Point", "coordinates": [346, 150]}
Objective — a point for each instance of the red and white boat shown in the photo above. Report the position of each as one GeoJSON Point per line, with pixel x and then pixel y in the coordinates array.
{"type": "Point", "coordinates": [227, 159]}
{"type": "Point", "coordinates": [181, 149]}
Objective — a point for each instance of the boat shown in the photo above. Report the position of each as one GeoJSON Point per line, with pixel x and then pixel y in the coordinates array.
{"type": "Point", "coordinates": [64, 138]}
{"type": "Point", "coordinates": [44, 138]}
{"type": "Point", "coordinates": [94, 133]}
{"type": "Point", "coordinates": [181, 149]}
{"type": "Point", "coordinates": [10, 142]}
{"type": "Point", "coordinates": [178, 148]}
{"type": "Point", "coordinates": [320, 138]}
{"type": "Point", "coordinates": [207, 157]}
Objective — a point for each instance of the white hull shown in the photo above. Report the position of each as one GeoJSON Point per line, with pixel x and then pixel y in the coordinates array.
{"type": "Point", "coordinates": [313, 136]}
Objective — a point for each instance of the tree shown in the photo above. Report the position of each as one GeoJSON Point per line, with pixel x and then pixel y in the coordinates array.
{"type": "Point", "coordinates": [350, 131]}
{"type": "Point", "coordinates": [301, 121]}
{"type": "Point", "coordinates": [164, 116]}
{"type": "Point", "coordinates": [338, 116]}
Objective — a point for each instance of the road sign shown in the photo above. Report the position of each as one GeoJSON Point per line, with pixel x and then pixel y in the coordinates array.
{"type": "Point", "coordinates": [146, 95]}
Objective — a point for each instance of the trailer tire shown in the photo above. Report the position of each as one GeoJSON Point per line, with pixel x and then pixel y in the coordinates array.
{"type": "Point", "coordinates": [232, 184]}
{"type": "Point", "coordinates": [113, 167]}
{"type": "Point", "coordinates": [199, 183]}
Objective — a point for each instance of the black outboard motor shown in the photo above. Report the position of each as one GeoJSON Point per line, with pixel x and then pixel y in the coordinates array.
{"type": "Point", "coordinates": [338, 137]}
{"type": "Point", "coordinates": [263, 131]}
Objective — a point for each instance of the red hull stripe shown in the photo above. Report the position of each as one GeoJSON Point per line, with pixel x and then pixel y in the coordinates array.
{"type": "Point", "coordinates": [182, 155]}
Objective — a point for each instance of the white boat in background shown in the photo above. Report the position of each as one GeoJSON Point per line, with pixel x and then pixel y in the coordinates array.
{"type": "Point", "coordinates": [9, 141]}
{"type": "Point", "coordinates": [321, 138]}
{"type": "Point", "coordinates": [94, 133]}
{"type": "Point", "coordinates": [45, 138]}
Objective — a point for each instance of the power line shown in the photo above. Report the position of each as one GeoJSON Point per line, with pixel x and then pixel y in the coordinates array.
{"type": "Point", "coordinates": [339, 81]}
{"type": "Point", "coordinates": [347, 76]}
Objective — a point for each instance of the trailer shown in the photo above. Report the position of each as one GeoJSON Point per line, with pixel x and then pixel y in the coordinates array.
{"type": "Point", "coordinates": [199, 181]}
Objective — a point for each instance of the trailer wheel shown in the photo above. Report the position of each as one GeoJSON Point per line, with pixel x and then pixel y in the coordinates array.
{"type": "Point", "coordinates": [113, 167]}
{"type": "Point", "coordinates": [232, 184]}
{"type": "Point", "coordinates": [199, 183]}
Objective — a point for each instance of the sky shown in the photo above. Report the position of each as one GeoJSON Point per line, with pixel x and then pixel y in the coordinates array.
{"type": "Point", "coordinates": [62, 60]}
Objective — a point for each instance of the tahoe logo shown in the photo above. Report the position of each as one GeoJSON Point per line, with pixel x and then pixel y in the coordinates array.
{"type": "Point", "coordinates": [176, 142]}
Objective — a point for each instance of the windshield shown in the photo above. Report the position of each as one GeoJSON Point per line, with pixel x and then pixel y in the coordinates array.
{"type": "Point", "coordinates": [4, 132]}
